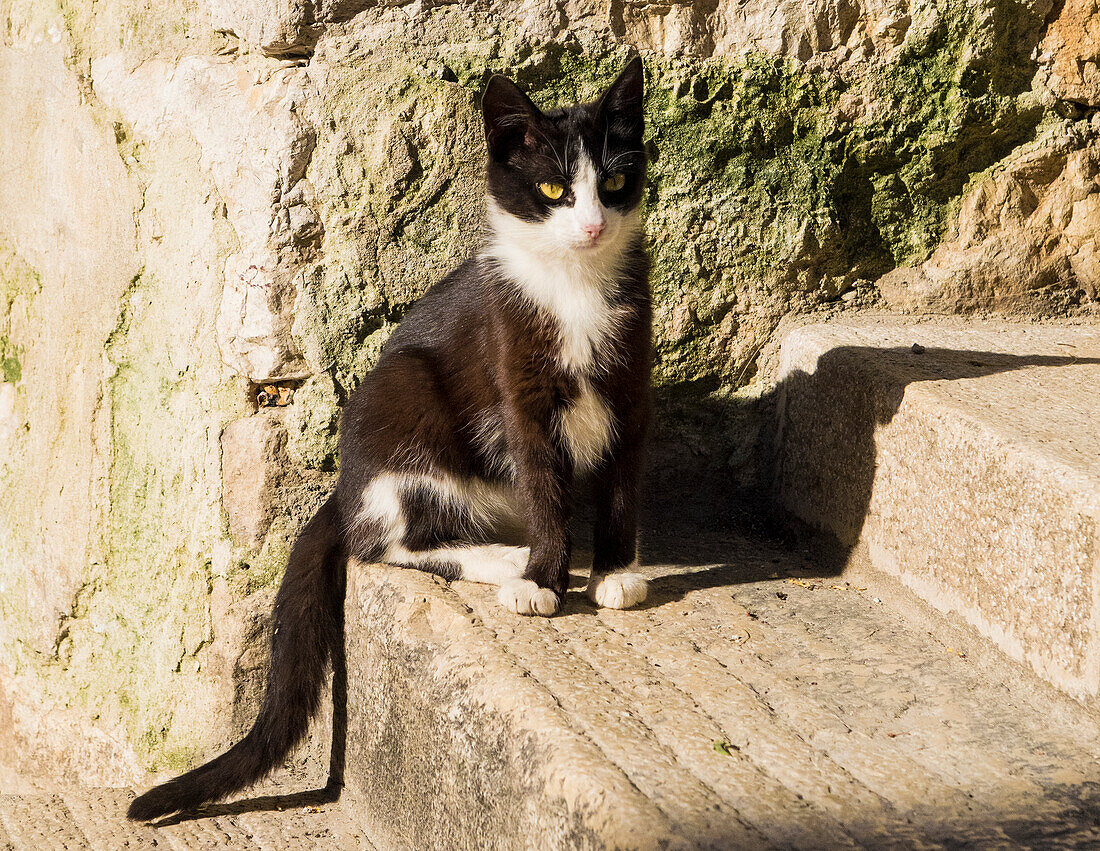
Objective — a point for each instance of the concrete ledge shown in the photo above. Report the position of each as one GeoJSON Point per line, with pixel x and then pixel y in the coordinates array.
{"type": "Point", "coordinates": [452, 744]}
{"type": "Point", "coordinates": [969, 467]}
{"type": "Point", "coordinates": [754, 701]}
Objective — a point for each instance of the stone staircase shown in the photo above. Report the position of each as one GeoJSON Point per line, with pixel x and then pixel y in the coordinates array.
{"type": "Point", "coordinates": [964, 459]}
{"type": "Point", "coordinates": [755, 702]}
{"type": "Point", "coordinates": [772, 692]}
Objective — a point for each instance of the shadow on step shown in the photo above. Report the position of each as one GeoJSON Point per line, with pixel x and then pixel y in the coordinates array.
{"type": "Point", "coordinates": [809, 444]}
{"type": "Point", "coordinates": [259, 804]}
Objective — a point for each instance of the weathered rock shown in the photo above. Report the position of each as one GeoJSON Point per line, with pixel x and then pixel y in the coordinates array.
{"type": "Point", "coordinates": [256, 149]}
{"type": "Point", "coordinates": [735, 711]}
{"type": "Point", "coordinates": [1070, 59]}
{"type": "Point", "coordinates": [795, 29]}
{"type": "Point", "coordinates": [1027, 238]}
{"type": "Point", "coordinates": [59, 164]}
{"type": "Point", "coordinates": [276, 27]}
{"type": "Point", "coordinates": [966, 465]}
{"type": "Point", "coordinates": [112, 526]}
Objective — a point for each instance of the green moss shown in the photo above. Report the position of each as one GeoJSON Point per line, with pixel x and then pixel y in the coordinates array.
{"type": "Point", "coordinates": [19, 285]}
{"type": "Point", "coordinates": [11, 370]}
{"type": "Point", "coordinates": [175, 760]}
{"type": "Point", "coordinates": [951, 104]}
{"type": "Point", "coordinates": [152, 745]}
{"type": "Point", "coordinates": [311, 424]}
{"type": "Point", "coordinates": [17, 278]}
{"type": "Point", "coordinates": [266, 569]}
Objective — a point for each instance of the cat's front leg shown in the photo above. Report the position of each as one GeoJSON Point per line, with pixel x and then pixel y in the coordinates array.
{"type": "Point", "coordinates": [544, 477]}
{"type": "Point", "coordinates": [615, 582]}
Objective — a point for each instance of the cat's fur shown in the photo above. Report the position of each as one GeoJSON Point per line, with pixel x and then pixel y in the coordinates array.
{"type": "Point", "coordinates": [527, 365]}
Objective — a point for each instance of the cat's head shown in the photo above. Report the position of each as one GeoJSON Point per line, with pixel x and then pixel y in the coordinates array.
{"type": "Point", "coordinates": [568, 180]}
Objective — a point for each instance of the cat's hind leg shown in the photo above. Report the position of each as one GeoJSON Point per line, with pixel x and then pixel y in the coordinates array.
{"type": "Point", "coordinates": [495, 564]}
{"type": "Point", "coordinates": [431, 523]}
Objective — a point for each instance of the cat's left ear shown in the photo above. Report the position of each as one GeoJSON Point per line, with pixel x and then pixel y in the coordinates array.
{"type": "Point", "coordinates": [509, 116]}
{"type": "Point", "coordinates": [622, 102]}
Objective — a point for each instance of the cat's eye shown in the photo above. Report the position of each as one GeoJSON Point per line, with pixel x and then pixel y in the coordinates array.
{"type": "Point", "coordinates": [615, 182]}
{"type": "Point", "coordinates": [553, 191]}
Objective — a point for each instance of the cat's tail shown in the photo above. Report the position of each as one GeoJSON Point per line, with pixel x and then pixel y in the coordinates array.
{"type": "Point", "coordinates": [308, 609]}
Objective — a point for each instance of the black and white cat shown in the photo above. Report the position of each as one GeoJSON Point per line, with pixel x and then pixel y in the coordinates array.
{"type": "Point", "coordinates": [527, 366]}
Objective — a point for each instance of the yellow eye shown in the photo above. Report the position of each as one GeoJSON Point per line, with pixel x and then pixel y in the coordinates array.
{"type": "Point", "coordinates": [615, 182]}
{"type": "Point", "coordinates": [553, 191]}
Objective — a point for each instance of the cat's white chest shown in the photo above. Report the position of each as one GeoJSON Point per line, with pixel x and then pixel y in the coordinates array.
{"type": "Point", "coordinates": [585, 321]}
{"type": "Point", "coordinates": [572, 293]}
{"type": "Point", "coordinates": [572, 296]}
{"type": "Point", "coordinates": [587, 427]}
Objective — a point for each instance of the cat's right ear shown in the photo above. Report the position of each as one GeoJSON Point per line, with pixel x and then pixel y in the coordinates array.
{"type": "Point", "coordinates": [621, 104]}
{"type": "Point", "coordinates": [509, 116]}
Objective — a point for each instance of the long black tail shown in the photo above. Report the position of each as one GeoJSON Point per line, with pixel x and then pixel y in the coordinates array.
{"type": "Point", "coordinates": [308, 612]}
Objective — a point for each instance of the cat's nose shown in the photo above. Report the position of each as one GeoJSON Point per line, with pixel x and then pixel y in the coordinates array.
{"type": "Point", "coordinates": [593, 231]}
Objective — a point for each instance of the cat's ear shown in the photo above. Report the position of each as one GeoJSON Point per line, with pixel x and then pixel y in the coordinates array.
{"type": "Point", "coordinates": [509, 115]}
{"type": "Point", "coordinates": [621, 104]}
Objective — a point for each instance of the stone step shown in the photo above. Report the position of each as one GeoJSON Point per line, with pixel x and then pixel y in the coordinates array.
{"type": "Point", "coordinates": [40, 821]}
{"type": "Point", "coordinates": [83, 818]}
{"type": "Point", "coordinates": [963, 459]}
{"type": "Point", "coordinates": [754, 701]}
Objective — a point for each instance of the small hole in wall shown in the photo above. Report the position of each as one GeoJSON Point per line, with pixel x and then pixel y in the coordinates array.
{"type": "Point", "coordinates": [273, 394]}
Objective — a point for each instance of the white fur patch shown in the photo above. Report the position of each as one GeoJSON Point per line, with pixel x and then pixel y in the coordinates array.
{"type": "Point", "coordinates": [586, 428]}
{"type": "Point", "coordinates": [560, 270]}
{"type": "Point", "coordinates": [587, 209]}
{"type": "Point", "coordinates": [486, 502]}
{"type": "Point", "coordinates": [382, 504]}
{"type": "Point", "coordinates": [524, 597]}
{"type": "Point", "coordinates": [620, 589]}
{"type": "Point", "coordinates": [493, 563]}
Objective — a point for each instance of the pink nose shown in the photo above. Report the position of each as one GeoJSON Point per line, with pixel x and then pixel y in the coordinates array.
{"type": "Point", "coordinates": [593, 231]}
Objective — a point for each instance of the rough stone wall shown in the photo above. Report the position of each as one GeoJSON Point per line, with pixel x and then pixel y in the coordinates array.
{"type": "Point", "coordinates": [202, 199]}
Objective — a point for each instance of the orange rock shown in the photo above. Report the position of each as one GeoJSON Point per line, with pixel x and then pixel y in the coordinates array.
{"type": "Point", "coordinates": [1072, 44]}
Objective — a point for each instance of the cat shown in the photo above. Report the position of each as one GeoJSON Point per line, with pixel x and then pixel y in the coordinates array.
{"type": "Point", "coordinates": [527, 366]}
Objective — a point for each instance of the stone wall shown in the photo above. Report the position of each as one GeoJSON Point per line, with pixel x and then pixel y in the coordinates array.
{"type": "Point", "coordinates": [203, 203]}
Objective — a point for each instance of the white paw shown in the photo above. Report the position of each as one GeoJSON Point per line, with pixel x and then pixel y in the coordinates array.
{"type": "Point", "coordinates": [524, 597]}
{"type": "Point", "coordinates": [617, 590]}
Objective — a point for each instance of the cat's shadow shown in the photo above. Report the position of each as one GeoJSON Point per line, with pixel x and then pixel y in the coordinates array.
{"type": "Point", "coordinates": [258, 804]}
